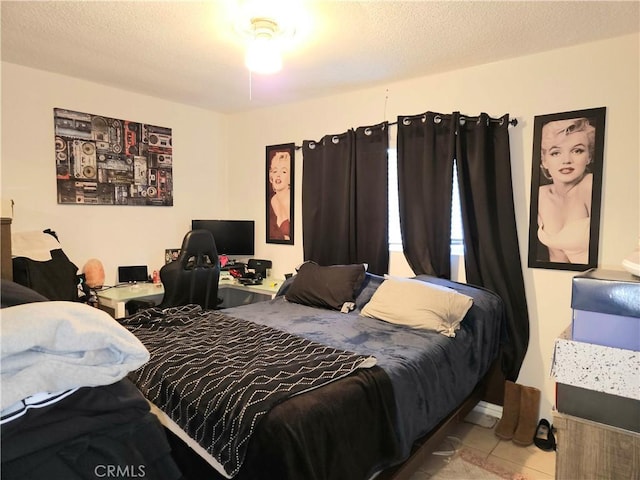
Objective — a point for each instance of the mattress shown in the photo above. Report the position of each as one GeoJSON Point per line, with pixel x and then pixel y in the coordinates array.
{"type": "Point", "coordinates": [419, 378]}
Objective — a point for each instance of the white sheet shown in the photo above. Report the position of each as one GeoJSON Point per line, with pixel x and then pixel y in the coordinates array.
{"type": "Point", "coordinates": [184, 436]}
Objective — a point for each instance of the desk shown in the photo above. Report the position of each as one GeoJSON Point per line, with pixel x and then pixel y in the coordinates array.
{"type": "Point", "coordinates": [114, 299]}
{"type": "Point", "coordinates": [233, 294]}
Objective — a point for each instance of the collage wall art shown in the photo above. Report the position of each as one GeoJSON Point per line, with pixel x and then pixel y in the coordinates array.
{"type": "Point", "coordinates": [107, 161]}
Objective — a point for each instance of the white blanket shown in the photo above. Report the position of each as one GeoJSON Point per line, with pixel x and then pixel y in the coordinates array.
{"type": "Point", "coordinates": [54, 346]}
{"type": "Point", "coordinates": [34, 245]}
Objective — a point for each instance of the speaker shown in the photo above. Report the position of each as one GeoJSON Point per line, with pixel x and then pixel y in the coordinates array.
{"type": "Point", "coordinates": [259, 266]}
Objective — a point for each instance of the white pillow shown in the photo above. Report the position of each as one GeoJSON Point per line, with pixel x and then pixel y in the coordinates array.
{"type": "Point", "coordinates": [418, 304]}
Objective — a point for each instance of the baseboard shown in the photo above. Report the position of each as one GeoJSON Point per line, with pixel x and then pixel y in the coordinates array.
{"type": "Point", "coordinates": [488, 409]}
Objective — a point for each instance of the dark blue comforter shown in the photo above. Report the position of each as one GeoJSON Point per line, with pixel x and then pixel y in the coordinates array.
{"type": "Point", "coordinates": [431, 374]}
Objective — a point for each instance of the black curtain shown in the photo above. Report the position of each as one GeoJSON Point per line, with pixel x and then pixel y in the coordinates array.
{"type": "Point", "coordinates": [492, 254]}
{"type": "Point", "coordinates": [327, 199]}
{"type": "Point", "coordinates": [344, 198]}
{"type": "Point", "coordinates": [372, 197]}
{"type": "Point", "coordinates": [425, 147]}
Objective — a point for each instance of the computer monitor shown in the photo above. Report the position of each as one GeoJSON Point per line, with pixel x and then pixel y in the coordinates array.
{"type": "Point", "coordinates": [234, 238]}
{"type": "Point", "coordinates": [133, 273]}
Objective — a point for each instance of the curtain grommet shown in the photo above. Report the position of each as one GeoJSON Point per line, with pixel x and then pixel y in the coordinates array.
{"type": "Point", "coordinates": [367, 131]}
{"type": "Point", "coordinates": [437, 119]}
{"type": "Point", "coordinates": [335, 139]}
{"type": "Point", "coordinates": [406, 121]}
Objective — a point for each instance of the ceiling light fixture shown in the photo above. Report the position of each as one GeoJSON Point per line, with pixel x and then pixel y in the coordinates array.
{"type": "Point", "coordinates": [264, 50]}
{"type": "Point", "coordinates": [269, 29]}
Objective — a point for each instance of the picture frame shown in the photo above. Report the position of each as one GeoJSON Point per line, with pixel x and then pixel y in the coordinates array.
{"type": "Point", "coordinates": [279, 189]}
{"type": "Point", "coordinates": [102, 160]}
{"type": "Point", "coordinates": [566, 183]}
{"type": "Point", "coordinates": [171, 255]}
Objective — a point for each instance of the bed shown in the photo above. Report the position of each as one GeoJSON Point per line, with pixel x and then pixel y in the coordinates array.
{"type": "Point", "coordinates": [68, 410]}
{"type": "Point", "coordinates": [364, 419]}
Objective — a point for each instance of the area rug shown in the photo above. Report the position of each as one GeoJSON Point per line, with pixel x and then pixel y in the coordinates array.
{"type": "Point", "coordinates": [466, 465]}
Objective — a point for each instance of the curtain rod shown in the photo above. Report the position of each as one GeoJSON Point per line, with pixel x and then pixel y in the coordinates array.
{"type": "Point", "coordinates": [463, 118]}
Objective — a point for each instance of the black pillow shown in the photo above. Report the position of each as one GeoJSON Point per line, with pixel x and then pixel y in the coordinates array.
{"type": "Point", "coordinates": [326, 287]}
{"type": "Point", "coordinates": [12, 293]}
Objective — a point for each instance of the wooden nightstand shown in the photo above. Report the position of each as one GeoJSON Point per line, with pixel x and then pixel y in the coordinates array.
{"type": "Point", "coordinates": [591, 450]}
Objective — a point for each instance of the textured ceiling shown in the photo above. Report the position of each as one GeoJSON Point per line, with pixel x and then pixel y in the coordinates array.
{"type": "Point", "coordinates": [189, 52]}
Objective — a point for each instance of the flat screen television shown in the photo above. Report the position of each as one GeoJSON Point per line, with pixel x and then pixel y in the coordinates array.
{"type": "Point", "coordinates": [234, 238]}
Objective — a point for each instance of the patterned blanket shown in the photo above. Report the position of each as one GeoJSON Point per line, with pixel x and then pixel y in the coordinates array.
{"type": "Point", "coordinates": [216, 376]}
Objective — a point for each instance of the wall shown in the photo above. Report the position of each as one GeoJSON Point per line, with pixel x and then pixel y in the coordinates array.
{"type": "Point", "coordinates": [551, 82]}
{"type": "Point", "coordinates": [118, 235]}
{"type": "Point", "coordinates": [598, 74]}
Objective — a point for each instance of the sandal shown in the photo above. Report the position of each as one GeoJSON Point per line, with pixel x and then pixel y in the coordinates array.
{"type": "Point", "coordinates": [544, 439]}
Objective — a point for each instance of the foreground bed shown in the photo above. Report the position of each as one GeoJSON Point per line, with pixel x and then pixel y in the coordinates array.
{"type": "Point", "coordinates": [88, 432]}
{"type": "Point", "coordinates": [67, 410]}
{"type": "Point", "coordinates": [353, 424]}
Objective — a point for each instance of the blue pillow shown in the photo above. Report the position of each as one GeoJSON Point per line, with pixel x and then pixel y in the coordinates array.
{"type": "Point", "coordinates": [368, 288]}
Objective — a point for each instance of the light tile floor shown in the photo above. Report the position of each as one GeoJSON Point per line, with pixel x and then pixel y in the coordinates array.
{"type": "Point", "coordinates": [530, 461]}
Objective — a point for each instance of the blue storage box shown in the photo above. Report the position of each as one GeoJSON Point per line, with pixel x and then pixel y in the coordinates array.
{"type": "Point", "coordinates": [605, 329]}
{"type": "Point", "coordinates": [606, 309]}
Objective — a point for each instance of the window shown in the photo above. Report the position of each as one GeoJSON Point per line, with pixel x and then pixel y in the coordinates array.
{"type": "Point", "coordinates": [395, 236]}
{"type": "Point", "coordinates": [457, 234]}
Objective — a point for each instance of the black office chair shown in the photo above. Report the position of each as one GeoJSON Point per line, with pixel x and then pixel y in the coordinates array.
{"type": "Point", "coordinates": [191, 278]}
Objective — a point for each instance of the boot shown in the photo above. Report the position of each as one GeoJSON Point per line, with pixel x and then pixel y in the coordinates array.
{"type": "Point", "coordinates": [510, 411]}
{"type": "Point", "coordinates": [528, 421]}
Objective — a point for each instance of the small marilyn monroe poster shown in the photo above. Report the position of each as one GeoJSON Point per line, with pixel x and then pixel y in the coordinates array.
{"type": "Point", "coordinates": [279, 189]}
